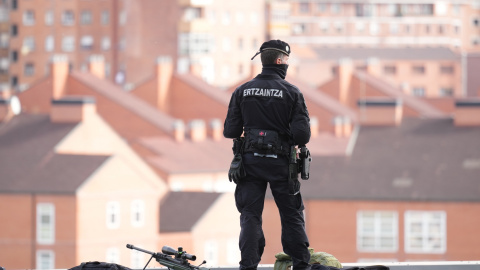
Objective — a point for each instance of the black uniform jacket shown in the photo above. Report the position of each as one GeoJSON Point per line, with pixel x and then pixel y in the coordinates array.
{"type": "Point", "coordinates": [268, 102]}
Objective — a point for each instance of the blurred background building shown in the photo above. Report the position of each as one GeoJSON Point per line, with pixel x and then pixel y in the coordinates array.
{"type": "Point", "coordinates": [111, 127]}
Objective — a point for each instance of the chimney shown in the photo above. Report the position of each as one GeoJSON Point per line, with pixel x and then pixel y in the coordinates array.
{"type": "Point", "coordinates": [197, 130]}
{"type": "Point", "coordinates": [373, 67]}
{"type": "Point", "coordinates": [196, 69]}
{"type": "Point", "coordinates": [179, 131]}
{"type": "Point", "coordinates": [72, 109]}
{"type": "Point", "coordinates": [9, 107]}
{"type": "Point", "coordinates": [216, 129]}
{"type": "Point", "coordinates": [164, 72]}
{"type": "Point", "coordinates": [380, 111]}
{"type": "Point", "coordinates": [96, 65]}
{"type": "Point", "coordinates": [342, 126]}
{"type": "Point", "coordinates": [345, 71]}
{"type": "Point", "coordinates": [467, 112]}
{"type": "Point", "coordinates": [59, 75]}
{"type": "Point", "coordinates": [314, 126]}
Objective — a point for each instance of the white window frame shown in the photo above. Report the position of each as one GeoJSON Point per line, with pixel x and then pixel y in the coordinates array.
{"type": "Point", "coordinates": [137, 259]}
{"type": "Point", "coordinates": [50, 43]}
{"type": "Point", "coordinates": [233, 251]}
{"type": "Point", "coordinates": [137, 213]}
{"type": "Point", "coordinates": [425, 218]}
{"type": "Point", "coordinates": [68, 17]}
{"type": "Point", "coordinates": [49, 17]}
{"type": "Point", "coordinates": [112, 255]}
{"type": "Point", "coordinates": [113, 215]}
{"type": "Point", "coordinates": [29, 69]}
{"type": "Point", "coordinates": [45, 259]}
{"type": "Point", "coordinates": [105, 17]}
{"type": "Point", "coordinates": [211, 252]}
{"type": "Point", "coordinates": [378, 222]}
{"type": "Point", "coordinates": [28, 17]}
{"type": "Point", "coordinates": [106, 43]}
{"type": "Point", "coordinates": [45, 231]}
{"type": "Point", "coordinates": [86, 17]}
{"type": "Point", "coordinates": [68, 43]}
{"type": "Point", "coordinates": [86, 43]}
{"type": "Point", "coordinates": [28, 43]}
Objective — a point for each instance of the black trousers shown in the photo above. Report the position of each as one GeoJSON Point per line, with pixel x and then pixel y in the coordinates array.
{"type": "Point", "coordinates": [250, 198]}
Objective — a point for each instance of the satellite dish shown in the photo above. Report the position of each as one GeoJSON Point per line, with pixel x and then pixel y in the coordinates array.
{"type": "Point", "coordinates": [15, 105]}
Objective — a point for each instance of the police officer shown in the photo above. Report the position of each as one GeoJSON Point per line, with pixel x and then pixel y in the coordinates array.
{"type": "Point", "coordinates": [272, 115]}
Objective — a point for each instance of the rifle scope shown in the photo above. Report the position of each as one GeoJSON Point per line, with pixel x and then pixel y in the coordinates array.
{"type": "Point", "coordinates": [178, 254]}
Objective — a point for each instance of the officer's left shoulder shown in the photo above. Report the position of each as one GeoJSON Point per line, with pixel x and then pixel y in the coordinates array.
{"type": "Point", "coordinates": [292, 86]}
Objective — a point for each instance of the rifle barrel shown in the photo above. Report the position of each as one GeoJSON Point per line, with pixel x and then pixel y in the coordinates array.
{"type": "Point", "coordinates": [139, 249]}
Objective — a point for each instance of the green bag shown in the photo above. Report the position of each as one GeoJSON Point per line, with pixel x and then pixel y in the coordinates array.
{"type": "Point", "coordinates": [284, 261]}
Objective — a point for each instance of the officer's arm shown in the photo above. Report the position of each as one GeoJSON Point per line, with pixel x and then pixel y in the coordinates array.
{"type": "Point", "coordinates": [233, 126]}
{"type": "Point", "coordinates": [300, 124]}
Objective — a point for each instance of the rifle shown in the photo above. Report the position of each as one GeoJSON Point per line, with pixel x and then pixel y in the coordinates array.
{"type": "Point", "coordinates": [178, 262]}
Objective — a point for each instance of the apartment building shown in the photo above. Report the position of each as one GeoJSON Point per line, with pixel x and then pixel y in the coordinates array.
{"type": "Point", "coordinates": [214, 38]}
{"type": "Point", "coordinates": [372, 28]}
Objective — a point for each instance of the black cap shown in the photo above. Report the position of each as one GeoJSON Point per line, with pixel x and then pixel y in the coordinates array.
{"type": "Point", "coordinates": [278, 45]}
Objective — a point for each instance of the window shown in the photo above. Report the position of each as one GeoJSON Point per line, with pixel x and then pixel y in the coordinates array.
{"type": "Point", "coordinates": [418, 70]}
{"type": "Point", "coordinates": [321, 7]}
{"type": "Point", "coordinates": [240, 43]}
{"type": "Point", "coordinates": [45, 259]}
{"type": "Point", "coordinates": [240, 17]}
{"type": "Point", "coordinates": [14, 4]}
{"type": "Point", "coordinates": [4, 40]}
{"type": "Point", "coordinates": [418, 91]}
{"type": "Point", "coordinates": [446, 69]}
{"type": "Point", "coordinates": [14, 81]}
{"type": "Point", "coordinates": [14, 30]}
{"type": "Point", "coordinates": [86, 43]}
{"type": "Point", "coordinates": [226, 44]}
{"type": "Point", "coordinates": [113, 215]}
{"type": "Point", "coordinates": [4, 64]}
{"type": "Point", "coordinates": [45, 223]}
{"type": "Point", "coordinates": [374, 28]}
{"type": "Point", "coordinates": [425, 232]}
{"type": "Point", "coordinates": [195, 43]}
{"type": "Point", "coordinates": [476, 22]}
{"type": "Point", "coordinates": [112, 255]}
{"type": "Point", "coordinates": [137, 260]}
{"type": "Point", "coordinates": [29, 69]}
{"type": "Point", "coordinates": [138, 213]}
{"type": "Point", "coordinates": [304, 7]}
{"type": "Point", "coordinates": [233, 253]}
{"type": "Point", "coordinates": [446, 92]}
{"type": "Point", "coordinates": [106, 43]}
{"type": "Point", "coordinates": [299, 28]}
{"type": "Point", "coordinates": [211, 252]}
{"type": "Point", "coordinates": [393, 28]}
{"type": "Point", "coordinates": [86, 17]}
{"type": "Point", "coordinates": [339, 27]}
{"type": "Point", "coordinates": [191, 13]}
{"type": "Point", "coordinates": [4, 15]}
{"type": "Point", "coordinates": [377, 231]}
{"type": "Point", "coordinates": [28, 17]}
{"type": "Point", "coordinates": [122, 17]}
{"type": "Point", "coordinates": [226, 18]}
{"type": "Point", "coordinates": [14, 56]}
{"type": "Point", "coordinates": [28, 44]}
{"type": "Point", "coordinates": [335, 8]}
{"type": "Point", "coordinates": [105, 17]}
{"type": "Point", "coordinates": [323, 26]}
{"type": "Point", "coordinates": [390, 70]}
{"type": "Point", "coordinates": [68, 43]}
{"type": "Point", "coordinates": [68, 17]}
{"type": "Point", "coordinates": [49, 43]}
{"type": "Point", "coordinates": [49, 17]}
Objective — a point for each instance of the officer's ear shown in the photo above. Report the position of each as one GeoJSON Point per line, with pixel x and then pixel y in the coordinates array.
{"type": "Point", "coordinates": [278, 61]}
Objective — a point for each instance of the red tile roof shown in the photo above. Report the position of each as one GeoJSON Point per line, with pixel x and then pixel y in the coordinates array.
{"type": "Point", "coordinates": [134, 104]}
